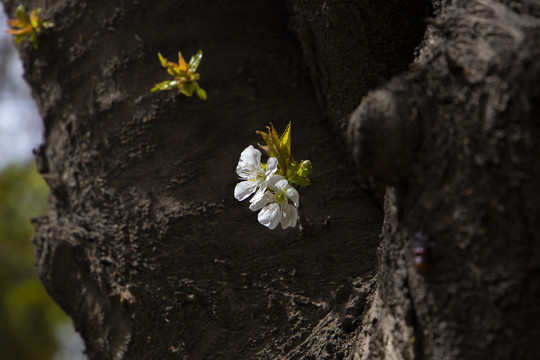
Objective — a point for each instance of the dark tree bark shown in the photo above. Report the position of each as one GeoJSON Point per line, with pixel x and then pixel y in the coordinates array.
{"type": "Point", "coordinates": [464, 126]}
{"type": "Point", "coordinates": [148, 251]}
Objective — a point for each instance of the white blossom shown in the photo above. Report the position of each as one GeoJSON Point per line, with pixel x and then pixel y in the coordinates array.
{"type": "Point", "coordinates": [274, 204]}
{"type": "Point", "coordinates": [253, 174]}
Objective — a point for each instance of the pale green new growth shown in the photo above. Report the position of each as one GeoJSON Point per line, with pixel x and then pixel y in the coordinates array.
{"type": "Point", "coordinates": [24, 26]}
{"type": "Point", "coordinates": [270, 183]}
{"type": "Point", "coordinates": [280, 147]}
{"type": "Point", "coordinates": [185, 77]}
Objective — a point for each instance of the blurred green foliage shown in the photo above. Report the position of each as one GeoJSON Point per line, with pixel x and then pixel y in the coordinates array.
{"type": "Point", "coordinates": [28, 316]}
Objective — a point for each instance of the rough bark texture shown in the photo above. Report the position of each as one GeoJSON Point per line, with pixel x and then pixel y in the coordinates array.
{"type": "Point", "coordinates": [464, 121]}
{"type": "Point", "coordinates": [148, 251]}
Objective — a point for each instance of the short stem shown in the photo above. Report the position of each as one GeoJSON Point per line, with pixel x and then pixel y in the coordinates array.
{"type": "Point", "coordinates": [304, 222]}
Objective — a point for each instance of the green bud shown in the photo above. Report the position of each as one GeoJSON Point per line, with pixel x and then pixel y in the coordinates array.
{"type": "Point", "coordinates": [305, 168]}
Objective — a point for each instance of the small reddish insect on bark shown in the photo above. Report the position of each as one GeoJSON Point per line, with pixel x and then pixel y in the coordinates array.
{"type": "Point", "coordinates": [422, 252]}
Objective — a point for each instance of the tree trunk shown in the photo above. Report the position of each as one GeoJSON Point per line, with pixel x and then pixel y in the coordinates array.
{"type": "Point", "coordinates": [146, 248]}
{"type": "Point", "coordinates": [464, 128]}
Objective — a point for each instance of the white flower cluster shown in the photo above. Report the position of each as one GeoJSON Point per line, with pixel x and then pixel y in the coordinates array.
{"type": "Point", "coordinates": [272, 192]}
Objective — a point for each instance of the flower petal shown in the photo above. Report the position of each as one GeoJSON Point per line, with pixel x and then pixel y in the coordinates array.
{"type": "Point", "coordinates": [244, 189]}
{"type": "Point", "coordinates": [272, 180]}
{"type": "Point", "coordinates": [260, 200]}
{"type": "Point", "coordinates": [249, 166]}
{"type": "Point", "coordinates": [250, 155]}
{"type": "Point", "coordinates": [267, 212]}
{"type": "Point", "coordinates": [289, 216]}
{"type": "Point", "coordinates": [292, 194]}
{"type": "Point", "coordinates": [247, 171]}
{"type": "Point", "coordinates": [270, 216]}
{"type": "Point", "coordinates": [271, 166]}
{"type": "Point", "coordinates": [281, 185]}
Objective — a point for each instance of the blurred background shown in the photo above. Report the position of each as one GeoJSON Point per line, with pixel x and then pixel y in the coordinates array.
{"type": "Point", "coordinates": [32, 326]}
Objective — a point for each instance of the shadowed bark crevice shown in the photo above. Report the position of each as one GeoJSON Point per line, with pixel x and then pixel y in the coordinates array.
{"type": "Point", "coordinates": [354, 47]}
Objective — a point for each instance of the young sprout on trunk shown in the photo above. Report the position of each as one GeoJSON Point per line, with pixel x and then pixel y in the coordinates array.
{"type": "Point", "coordinates": [23, 26]}
{"type": "Point", "coordinates": [271, 183]}
{"type": "Point", "coordinates": [184, 75]}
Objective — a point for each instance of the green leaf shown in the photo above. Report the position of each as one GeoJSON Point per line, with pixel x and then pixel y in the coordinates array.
{"type": "Point", "coordinates": [201, 93]}
{"type": "Point", "coordinates": [34, 19]}
{"type": "Point", "coordinates": [285, 143]}
{"type": "Point", "coordinates": [181, 62]}
{"type": "Point", "coordinates": [285, 140]}
{"type": "Point", "coordinates": [165, 85]}
{"type": "Point", "coordinates": [20, 13]}
{"type": "Point", "coordinates": [163, 61]}
{"type": "Point", "coordinates": [195, 61]}
{"type": "Point", "coordinates": [187, 89]}
{"type": "Point", "coordinates": [178, 72]}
